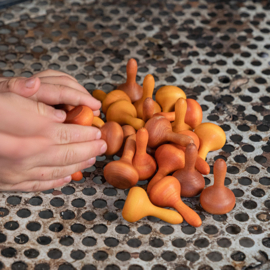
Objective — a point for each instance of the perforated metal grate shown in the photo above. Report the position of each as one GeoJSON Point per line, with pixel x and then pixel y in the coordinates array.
{"type": "Point", "coordinates": [218, 53]}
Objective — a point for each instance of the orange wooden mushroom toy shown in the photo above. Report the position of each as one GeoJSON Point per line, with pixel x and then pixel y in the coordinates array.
{"type": "Point", "coordinates": [218, 199]}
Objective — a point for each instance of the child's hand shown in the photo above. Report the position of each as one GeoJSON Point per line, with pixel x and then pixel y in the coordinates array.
{"type": "Point", "coordinates": [51, 87]}
{"type": "Point", "coordinates": [37, 151]}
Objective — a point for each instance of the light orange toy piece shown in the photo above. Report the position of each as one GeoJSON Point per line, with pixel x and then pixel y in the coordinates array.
{"type": "Point", "coordinates": [212, 137]}
{"type": "Point", "coordinates": [138, 206]}
{"type": "Point", "coordinates": [194, 113]}
{"type": "Point", "coordinates": [167, 96]}
{"type": "Point", "coordinates": [77, 176]}
{"type": "Point", "coordinates": [123, 112]}
{"type": "Point", "coordinates": [97, 122]}
{"type": "Point", "coordinates": [180, 112]}
{"type": "Point", "coordinates": [99, 94]}
{"type": "Point", "coordinates": [112, 97]}
{"type": "Point", "coordinates": [148, 89]}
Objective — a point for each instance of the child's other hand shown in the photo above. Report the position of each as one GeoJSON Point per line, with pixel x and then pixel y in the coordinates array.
{"type": "Point", "coordinates": [52, 88]}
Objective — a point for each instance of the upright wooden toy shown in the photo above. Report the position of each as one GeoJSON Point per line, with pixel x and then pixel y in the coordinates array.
{"type": "Point", "coordinates": [143, 162]}
{"type": "Point", "coordinates": [138, 206]}
{"type": "Point", "coordinates": [194, 113]}
{"type": "Point", "coordinates": [192, 182]}
{"type": "Point", "coordinates": [148, 109]}
{"type": "Point", "coordinates": [132, 89]}
{"type": "Point", "coordinates": [120, 173]}
{"type": "Point", "coordinates": [148, 89]}
{"type": "Point", "coordinates": [218, 199]}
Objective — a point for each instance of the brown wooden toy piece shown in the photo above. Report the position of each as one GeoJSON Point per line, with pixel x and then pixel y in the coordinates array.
{"type": "Point", "coordinates": [120, 173]}
{"type": "Point", "coordinates": [80, 115]}
{"type": "Point", "coordinates": [212, 137]}
{"type": "Point", "coordinates": [77, 176]}
{"type": "Point", "coordinates": [180, 112]}
{"type": "Point", "coordinates": [218, 199]}
{"type": "Point", "coordinates": [97, 122]}
{"type": "Point", "coordinates": [166, 97]}
{"type": "Point", "coordinates": [148, 89]}
{"type": "Point", "coordinates": [112, 97]}
{"type": "Point", "coordinates": [143, 162]}
{"type": "Point", "coordinates": [168, 115]}
{"type": "Point", "coordinates": [138, 206]}
{"type": "Point", "coordinates": [201, 165]}
{"type": "Point", "coordinates": [112, 134]}
{"type": "Point", "coordinates": [99, 94]}
{"type": "Point", "coordinates": [132, 89]}
{"type": "Point", "coordinates": [160, 131]}
{"type": "Point", "coordinates": [169, 159]}
{"type": "Point", "coordinates": [148, 109]}
{"type": "Point", "coordinates": [166, 193]}
{"type": "Point", "coordinates": [194, 113]}
{"type": "Point", "coordinates": [192, 182]}
{"type": "Point", "coordinates": [123, 112]}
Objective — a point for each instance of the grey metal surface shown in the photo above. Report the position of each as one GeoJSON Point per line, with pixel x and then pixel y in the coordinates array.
{"type": "Point", "coordinates": [218, 53]}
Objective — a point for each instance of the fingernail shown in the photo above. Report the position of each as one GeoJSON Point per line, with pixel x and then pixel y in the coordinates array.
{"type": "Point", "coordinates": [98, 135]}
{"type": "Point", "coordinates": [29, 83]}
{"type": "Point", "coordinates": [67, 179]}
{"type": "Point", "coordinates": [91, 161]}
{"type": "Point", "coordinates": [103, 148]}
{"type": "Point", "coordinates": [60, 114]}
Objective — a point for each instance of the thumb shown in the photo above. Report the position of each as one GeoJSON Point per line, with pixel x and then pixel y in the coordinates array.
{"type": "Point", "coordinates": [25, 87]}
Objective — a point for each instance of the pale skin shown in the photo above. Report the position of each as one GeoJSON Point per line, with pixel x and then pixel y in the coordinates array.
{"type": "Point", "coordinates": [37, 150]}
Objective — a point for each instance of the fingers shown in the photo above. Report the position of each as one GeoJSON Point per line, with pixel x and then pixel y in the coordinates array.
{"type": "Point", "coordinates": [57, 172]}
{"type": "Point", "coordinates": [71, 133]}
{"type": "Point", "coordinates": [65, 155]}
{"type": "Point", "coordinates": [33, 186]}
{"type": "Point", "coordinates": [50, 72]}
{"type": "Point", "coordinates": [96, 113]}
{"type": "Point", "coordinates": [25, 87]}
{"type": "Point", "coordinates": [64, 80]}
{"type": "Point", "coordinates": [60, 94]}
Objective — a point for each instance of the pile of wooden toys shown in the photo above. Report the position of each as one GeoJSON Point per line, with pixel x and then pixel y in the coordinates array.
{"type": "Point", "coordinates": [162, 141]}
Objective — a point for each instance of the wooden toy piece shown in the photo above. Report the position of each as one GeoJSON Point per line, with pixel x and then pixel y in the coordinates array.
{"type": "Point", "coordinates": [77, 176]}
{"type": "Point", "coordinates": [123, 112]}
{"type": "Point", "coordinates": [180, 112]}
{"type": "Point", "coordinates": [120, 173]}
{"type": "Point", "coordinates": [132, 89]}
{"type": "Point", "coordinates": [194, 113]}
{"type": "Point", "coordinates": [166, 193]}
{"type": "Point", "coordinates": [65, 107]}
{"type": "Point", "coordinates": [99, 94]}
{"type": "Point", "coordinates": [80, 115]}
{"type": "Point", "coordinates": [160, 131]}
{"type": "Point", "coordinates": [168, 115]}
{"type": "Point", "coordinates": [169, 159]}
{"type": "Point", "coordinates": [148, 89]}
{"type": "Point", "coordinates": [113, 96]}
{"type": "Point", "coordinates": [138, 206]}
{"type": "Point", "coordinates": [201, 165]}
{"type": "Point", "coordinates": [128, 130]}
{"type": "Point", "coordinates": [97, 122]}
{"type": "Point", "coordinates": [192, 182]}
{"type": "Point", "coordinates": [166, 97]}
{"type": "Point", "coordinates": [212, 137]}
{"type": "Point", "coordinates": [148, 109]}
{"type": "Point", "coordinates": [218, 199]}
{"type": "Point", "coordinates": [112, 134]}
{"type": "Point", "coordinates": [143, 162]}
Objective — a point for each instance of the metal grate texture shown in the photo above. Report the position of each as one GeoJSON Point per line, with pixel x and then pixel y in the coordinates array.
{"type": "Point", "coordinates": [218, 53]}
